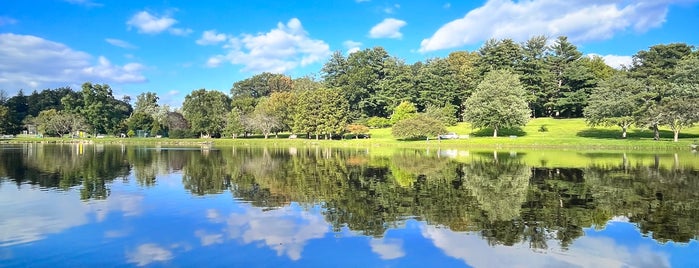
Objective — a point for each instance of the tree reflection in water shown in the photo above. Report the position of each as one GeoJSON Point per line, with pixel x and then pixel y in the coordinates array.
{"type": "Point", "coordinates": [495, 195]}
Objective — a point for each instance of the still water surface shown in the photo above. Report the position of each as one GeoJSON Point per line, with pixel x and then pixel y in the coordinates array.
{"type": "Point", "coordinates": [92, 205]}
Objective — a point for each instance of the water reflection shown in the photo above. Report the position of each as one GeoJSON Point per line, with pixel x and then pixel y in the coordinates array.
{"type": "Point", "coordinates": [481, 208]}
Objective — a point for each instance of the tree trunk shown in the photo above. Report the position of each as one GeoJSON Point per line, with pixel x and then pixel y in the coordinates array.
{"type": "Point", "coordinates": [677, 135]}
{"type": "Point", "coordinates": [623, 132]}
{"type": "Point", "coordinates": [266, 134]}
{"type": "Point", "coordinates": [656, 132]}
{"type": "Point", "coordinates": [495, 132]}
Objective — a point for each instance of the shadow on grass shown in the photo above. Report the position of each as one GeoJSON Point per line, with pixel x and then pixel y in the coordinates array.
{"type": "Point", "coordinates": [630, 134]}
{"type": "Point", "coordinates": [488, 132]}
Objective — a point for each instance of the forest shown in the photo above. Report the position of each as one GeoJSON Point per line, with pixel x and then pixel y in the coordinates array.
{"type": "Point", "coordinates": [500, 86]}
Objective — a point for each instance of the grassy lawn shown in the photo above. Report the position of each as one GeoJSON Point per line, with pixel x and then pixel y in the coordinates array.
{"type": "Point", "coordinates": [560, 133]}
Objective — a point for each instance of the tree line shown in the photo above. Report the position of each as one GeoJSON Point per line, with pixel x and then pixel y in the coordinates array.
{"type": "Point", "coordinates": [501, 85]}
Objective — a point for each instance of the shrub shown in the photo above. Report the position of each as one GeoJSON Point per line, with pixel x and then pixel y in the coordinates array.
{"type": "Point", "coordinates": [378, 122]}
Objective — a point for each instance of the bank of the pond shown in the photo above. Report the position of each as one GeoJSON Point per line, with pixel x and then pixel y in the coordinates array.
{"type": "Point", "coordinates": [538, 133]}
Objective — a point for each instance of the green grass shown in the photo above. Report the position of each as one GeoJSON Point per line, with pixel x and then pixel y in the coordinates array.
{"type": "Point", "coordinates": [560, 134]}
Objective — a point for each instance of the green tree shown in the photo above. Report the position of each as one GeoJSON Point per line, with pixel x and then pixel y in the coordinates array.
{"type": "Point", "coordinates": [147, 103]}
{"type": "Point", "coordinates": [98, 106]}
{"type": "Point", "coordinates": [498, 102]}
{"type": "Point", "coordinates": [403, 111]}
{"type": "Point", "coordinates": [261, 85]}
{"type": "Point", "coordinates": [18, 109]}
{"type": "Point", "coordinates": [614, 102]}
{"type": "Point", "coordinates": [206, 111]}
{"type": "Point", "coordinates": [445, 114]}
{"type": "Point", "coordinates": [60, 123]}
{"type": "Point", "coordinates": [656, 67]}
{"type": "Point", "coordinates": [264, 118]}
{"type": "Point", "coordinates": [234, 124]}
{"type": "Point", "coordinates": [499, 54]}
{"type": "Point", "coordinates": [418, 127]}
{"type": "Point", "coordinates": [437, 84]}
{"type": "Point", "coordinates": [140, 121]}
{"type": "Point", "coordinates": [536, 77]}
{"type": "Point", "coordinates": [4, 119]}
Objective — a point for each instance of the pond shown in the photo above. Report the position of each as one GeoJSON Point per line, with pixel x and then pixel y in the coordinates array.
{"type": "Point", "coordinates": [111, 205]}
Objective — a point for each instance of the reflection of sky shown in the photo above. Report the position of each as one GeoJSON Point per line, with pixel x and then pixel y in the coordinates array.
{"type": "Point", "coordinates": [163, 225]}
{"type": "Point", "coordinates": [30, 214]}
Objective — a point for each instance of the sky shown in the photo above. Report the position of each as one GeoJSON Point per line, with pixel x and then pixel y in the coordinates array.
{"type": "Point", "coordinates": [172, 47]}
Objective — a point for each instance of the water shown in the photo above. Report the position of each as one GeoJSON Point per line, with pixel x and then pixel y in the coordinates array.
{"type": "Point", "coordinates": [110, 205]}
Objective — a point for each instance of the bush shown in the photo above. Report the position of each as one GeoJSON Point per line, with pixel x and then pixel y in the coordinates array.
{"type": "Point", "coordinates": [418, 127]}
{"type": "Point", "coordinates": [378, 122]}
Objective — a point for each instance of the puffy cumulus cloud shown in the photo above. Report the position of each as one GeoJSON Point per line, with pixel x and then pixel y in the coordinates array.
{"type": "Point", "coordinates": [148, 23]}
{"type": "Point", "coordinates": [120, 43]}
{"type": "Point", "coordinates": [148, 253]}
{"type": "Point", "coordinates": [387, 249]}
{"type": "Point", "coordinates": [351, 46]}
{"type": "Point", "coordinates": [388, 28]}
{"type": "Point", "coordinates": [210, 37]}
{"type": "Point", "coordinates": [279, 50]}
{"type": "Point", "coordinates": [62, 212]}
{"type": "Point", "coordinates": [31, 62]}
{"type": "Point", "coordinates": [579, 20]}
{"type": "Point", "coordinates": [285, 230]}
{"type": "Point", "coordinates": [585, 252]}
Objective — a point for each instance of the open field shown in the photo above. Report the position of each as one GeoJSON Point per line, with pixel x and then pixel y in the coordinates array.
{"type": "Point", "coordinates": [560, 133]}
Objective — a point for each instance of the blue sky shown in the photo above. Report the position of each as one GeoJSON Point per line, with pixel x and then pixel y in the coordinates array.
{"type": "Point", "coordinates": [172, 47]}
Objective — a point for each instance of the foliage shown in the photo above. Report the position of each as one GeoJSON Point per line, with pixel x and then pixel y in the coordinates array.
{"type": "Point", "coordinates": [403, 111]}
{"type": "Point", "coordinates": [378, 122]}
{"type": "Point", "coordinates": [614, 102]}
{"type": "Point", "coordinates": [418, 127]}
{"type": "Point", "coordinates": [261, 85]}
{"type": "Point", "coordinates": [446, 114]}
{"type": "Point", "coordinates": [357, 129]}
{"type": "Point", "coordinates": [498, 102]}
{"type": "Point", "coordinates": [52, 122]}
{"type": "Point", "coordinates": [98, 106]}
{"type": "Point", "coordinates": [206, 111]}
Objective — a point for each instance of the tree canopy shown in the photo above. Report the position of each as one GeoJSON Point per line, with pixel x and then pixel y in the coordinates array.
{"type": "Point", "coordinates": [499, 102]}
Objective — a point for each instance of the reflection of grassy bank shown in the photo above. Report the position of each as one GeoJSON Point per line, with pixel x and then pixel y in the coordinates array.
{"type": "Point", "coordinates": [560, 133]}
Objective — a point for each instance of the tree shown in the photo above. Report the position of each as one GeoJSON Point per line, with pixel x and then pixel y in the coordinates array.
{"type": "Point", "coordinates": [614, 102]}
{"type": "Point", "coordinates": [498, 102]}
{"type": "Point", "coordinates": [536, 77]}
{"type": "Point", "coordinates": [656, 67]}
{"type": "Point", "coordinates": [357, 129]}
{"type": "Point", "coordinates": [60, 123]}
{"type": "Point", "coordinates": [261, 85]}
{"type": "Point", "coordinates": [4, 119]}
{"type": "Point", "coordinates": [279, 105]}
{"type": "Point", "coordinates": [147, 103]}
{"type": "Point", "coordinates": [206, 111]}
{"type": "Point", "coordinates": [98, 106]}
{"type": "Point", "coordinates": [445, 114]}
{"type": "Point", "coordinates": [499, 54]}
{"type": "Point", "coordinates": [678, 113]}
{"type": "Point", "coordinates": [403, 111]}
{"type": "Point", "coordinates": [18, 109]}
{"type": "Point", "coordinates": [264, 118]}
{"type": "Point", "coordinates": [234, 124]}
{"type": "Point", "coordinates": [140, 121]}
{"type": "Point", "coordinates": [417, 127]}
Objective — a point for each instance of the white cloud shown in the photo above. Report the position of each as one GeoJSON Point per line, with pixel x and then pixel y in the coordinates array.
{"type": "Point", "coordinates": [210, 37]}
{"type": "Point", "coordinates": [388, 28]}
{"type": "Point", "coordinates": [616, 61]}
{"type": "Point", "coordinates": [7, 20]}
{"type": "Point", "coordinates": [579, 20]}
{"type": "Point", "coordinates": [279, 50]}
{"type": "Point", "coordinates": [63, 212]}
{"type": "Point", "coordinates": [31, 62]}
{"type": "Point", "coordinates": [584, 252]}
{"type": "Point", "coordinates": [447, 5]}
{"type": "Point", "coordinates": [391, 9]}
{"type": "Point", "coordinates": [208, 239]}
{"type": "Point", "coordinates": [148, 253]}
{"type": "Point", "coordinates": [148, 23]}
{"type": "Point", "coordinates": [351, 46]}
{"type": "Point", "coordinates": [120, 43]}
{"type": "Point", "coordinates": [87, 3]}
{"type": "Point", "coordinates": [387, 249]}
{"type": "Point", "coordinates": [285, 230]}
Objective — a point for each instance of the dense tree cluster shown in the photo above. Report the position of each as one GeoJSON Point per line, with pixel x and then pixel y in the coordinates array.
{"type": "Point", "coordinates": [500, 85]}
